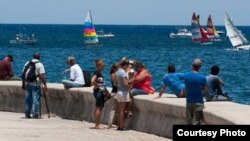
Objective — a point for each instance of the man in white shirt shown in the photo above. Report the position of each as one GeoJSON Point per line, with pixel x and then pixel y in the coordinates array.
{"type": "Point", "coordinates": [76, 78]}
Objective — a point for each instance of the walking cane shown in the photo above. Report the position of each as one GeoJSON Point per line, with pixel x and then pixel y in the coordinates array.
{"type": "Point", "coordinates": [46, 103]}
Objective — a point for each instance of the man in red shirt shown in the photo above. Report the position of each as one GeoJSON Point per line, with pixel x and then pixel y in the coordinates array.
{"type": "Point", "coordinates": [6, 68]}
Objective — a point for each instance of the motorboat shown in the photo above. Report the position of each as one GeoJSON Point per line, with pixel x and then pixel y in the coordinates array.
{"type": "Point", "coordinates": [182, 33]}
{"type": "Point", "coordinates": [24, 39]}
{"type": "Point", "coordinates": [102, 34]}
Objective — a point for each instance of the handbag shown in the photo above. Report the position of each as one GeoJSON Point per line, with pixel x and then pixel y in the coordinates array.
{"type": "Point", "coordinates": [106, 94]}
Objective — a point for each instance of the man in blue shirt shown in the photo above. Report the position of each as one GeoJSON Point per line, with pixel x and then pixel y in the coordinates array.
{"type": "Point", "coordinates": [173, 81]}
{"type": "Point", "coordinates": [195, 83]}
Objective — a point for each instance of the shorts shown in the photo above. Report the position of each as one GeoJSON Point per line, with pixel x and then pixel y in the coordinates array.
{"type": "Point", "coordinates": [122, 96]}
{"type": "Point", "coordinates": [99, 98]}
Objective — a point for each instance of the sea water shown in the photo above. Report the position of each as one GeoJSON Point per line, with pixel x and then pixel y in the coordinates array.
{"type": "Point", "coordinates": [148, 44]}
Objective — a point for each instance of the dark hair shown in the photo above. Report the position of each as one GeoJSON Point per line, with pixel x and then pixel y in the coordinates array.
{"type": "Point", "coordinates": [215, 70]}
{"type": "Point", "coordinates": [113, 68]}
{"type": "Point", "coordinates": [124, 62]}
{"type": "Point", "coordinates": [138, 64]}
{"type": "Point", "coordinates": [10, 58]}
{"type": "Point", "coordinates": [36, 56]}
{"type": "Point", "coordinates": [171, 68]}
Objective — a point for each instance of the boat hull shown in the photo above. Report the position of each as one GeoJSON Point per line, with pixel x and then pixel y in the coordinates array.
{"type": "Point", "coordinates": [243, 47]}
{"type": "Point", "coordinates": [24, 42]}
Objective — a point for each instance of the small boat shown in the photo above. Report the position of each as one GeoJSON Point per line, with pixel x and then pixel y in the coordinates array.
{"type": "Point", "coordinates": [24, 39]}
{"type": "Point", "coordinates": [211, 31]}
{"type": "Point", "coordinates": [102, 34]}
{"type": "Point", "coordinates": [199, 35]}
{"type": "Point", "coordinates": [89, 32]}
{"type": "Point", "coordinates": [235, 36]}
{"type": "Point", "coordinates": [182, 33]}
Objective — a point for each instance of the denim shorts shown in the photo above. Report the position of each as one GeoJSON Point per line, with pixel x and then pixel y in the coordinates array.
{"type": "Point", "coordinates": [135, 91]}
{"type": "Point", "coordinates": [99, 98]}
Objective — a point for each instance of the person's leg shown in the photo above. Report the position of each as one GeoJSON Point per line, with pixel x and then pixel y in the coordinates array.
{"type": "Point", "coordinates": [99, 105]}
{"type": "Point", "coordinates": [36, 92]}
{"type": "Point", "coordinates": [189, 113]}
{"type": "Point", "coordinates": [122, 107]}
{"type": "Point", "coordinates": [198, 114]}
{"type": "Point", "coordinates": [70, 84]}
{"type": "Point", "coordinates": [133, 93]}
{"type": "Point", "coordinates": [182, 93]}
{"type": "Point", "coordinates": [28, 101]}
{"type": "Point", "coordinates": [97, 117]}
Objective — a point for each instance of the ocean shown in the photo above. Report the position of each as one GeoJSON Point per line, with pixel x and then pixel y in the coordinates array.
{"type": "Point", "coordinates": [148, 44]}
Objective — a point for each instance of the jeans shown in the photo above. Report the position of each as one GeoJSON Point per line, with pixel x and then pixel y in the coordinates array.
{"type": "Point", "coordinates": [32, 98]}
{"type": "Point", "coordinates": [71, 84]}
{"type": "Point", "coordinates": [135, 91]}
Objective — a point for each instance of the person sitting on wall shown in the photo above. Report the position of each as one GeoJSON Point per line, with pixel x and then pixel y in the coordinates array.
{"type": "Point", "coordinates": [214, 84]}
{"type": "Point", "coordinates": [6, 68]}
{"type": "Point", "coordinates": [173, 80]}
{"type": "Point", "coordinates": [76, 78]}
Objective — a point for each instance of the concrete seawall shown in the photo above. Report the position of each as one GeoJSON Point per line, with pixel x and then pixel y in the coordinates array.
{"type": "Point", "coordinates": [150, 116]}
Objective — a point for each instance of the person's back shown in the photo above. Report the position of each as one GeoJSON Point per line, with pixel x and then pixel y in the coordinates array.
{"type": "Point", "coordinates": [76, 74]}
{"type": "Point", "coordinates": [33, 89]}
{"type": "Point", "coordinates": [214, 83]}
{"type": "Point", "coordinates": [194, 82]}
{"type": "Point", "coordinates": [76, 78]}
{"type": "Point", "coordinates": [173, 81]}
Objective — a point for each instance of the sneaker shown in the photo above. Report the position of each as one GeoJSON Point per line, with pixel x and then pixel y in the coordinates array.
{"type": "Point", "coordinates": [35, 116]}
{"type": "Point", "coordinates": [27, 116]}
{"type": "Point", "coordinates": [121, 129]}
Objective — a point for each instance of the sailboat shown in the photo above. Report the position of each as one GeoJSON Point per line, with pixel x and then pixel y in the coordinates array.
{"type": "Point", "coordinates": [211, 30]}
{"type": "Point", "coordinates": [235, 36]}
{"type": "Point", "coordinates": [89, 32]}
{"type": "Point", "coordinates": [198, 33]}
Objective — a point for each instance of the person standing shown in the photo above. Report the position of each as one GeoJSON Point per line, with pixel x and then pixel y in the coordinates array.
{"type": "Point", "coordinates": [123, 92]}
{"type": "Point", "coordinates": [195, 85]}
{"type": "Point", "coordinates": [98, 82]}
{"type": "Point", "coordinates": [33, 89]}
{"type": "Point", "coordinates": [76, 78]}
{"type": "Point", "coordinates": [6, 68]}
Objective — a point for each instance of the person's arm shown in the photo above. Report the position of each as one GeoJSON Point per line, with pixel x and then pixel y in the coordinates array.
{"type": "Point", "coordinates": [113, 79]}
{"type": "Point", "coordinates": [163, 88]}
{"type": "Point", "coordinates": [43, 80]}
{"type": "Point", "coordinates": [221, 82]}
{"type": "Point", "coordinates": [143, 75]}
{"type": "Point", "coordinates": [93, 81]}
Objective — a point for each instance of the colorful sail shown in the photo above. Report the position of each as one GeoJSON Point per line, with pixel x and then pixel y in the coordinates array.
{"type": "Point", "coordinates": [211, 31]}
{"type": "Point", "coordinates": [89, 32]}
{"type": "Point", "coordinates": [198, 33]}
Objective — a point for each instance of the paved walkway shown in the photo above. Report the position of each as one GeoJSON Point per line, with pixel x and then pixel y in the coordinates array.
{"type": "Point", "coordinates": [14, 127]}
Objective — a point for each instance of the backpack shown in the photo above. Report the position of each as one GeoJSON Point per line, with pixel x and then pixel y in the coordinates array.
{"type": "Point", "coordinates": [87, 78]}
{"type": "Point", "coordinates": [29, 72]}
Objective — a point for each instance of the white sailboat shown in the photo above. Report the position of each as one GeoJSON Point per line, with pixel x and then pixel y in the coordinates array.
{"type": "Point", "coordinates": [235, 36]}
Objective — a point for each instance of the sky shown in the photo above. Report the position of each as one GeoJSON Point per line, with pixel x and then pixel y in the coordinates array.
{"type": "Point", "coordinates": [123, 12]}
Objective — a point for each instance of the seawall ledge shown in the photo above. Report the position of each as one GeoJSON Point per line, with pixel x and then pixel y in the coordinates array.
{"type": "Point", "coordinates": [163, 113]}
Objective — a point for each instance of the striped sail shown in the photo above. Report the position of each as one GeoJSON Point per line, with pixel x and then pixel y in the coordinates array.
{"type": "Point", "coordinates": [89, 32]}
{"type": "Point", "coordinates": [211, 30]}
{"type": "Point", "coordinates": [198, 33]}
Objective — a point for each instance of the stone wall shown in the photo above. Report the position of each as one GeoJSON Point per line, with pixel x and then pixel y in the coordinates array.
{"type": "Point", "coordinates": [150, 116]}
